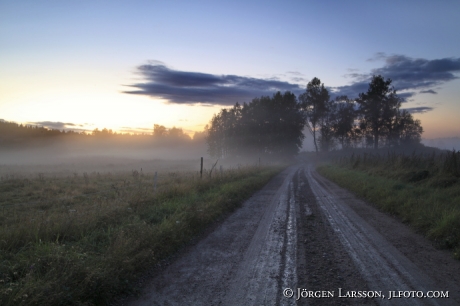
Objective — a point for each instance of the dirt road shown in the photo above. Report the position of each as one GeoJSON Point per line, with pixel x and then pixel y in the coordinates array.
{"type": "Point", "coordinates": [301, 235]}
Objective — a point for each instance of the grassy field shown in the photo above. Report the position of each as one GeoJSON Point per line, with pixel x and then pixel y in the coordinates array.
{"type": "Point", "coordinates": [85, 238]}
{"type": "Point", "coordinates": [422, 189]}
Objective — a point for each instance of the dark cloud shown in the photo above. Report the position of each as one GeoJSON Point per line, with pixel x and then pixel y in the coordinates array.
{"type": "Point", "coordinates": [406, 95]}
{"type": "Point", "coordinates": [430, 91]}
{"type": "Point", "coordinates": [185, 87]}
{"type": "Point", "coordinates": [352, 91]}
{"type": "Point", "coordinates": [407, 75]}
{"type": "Point", "coordinates": [422, 109]}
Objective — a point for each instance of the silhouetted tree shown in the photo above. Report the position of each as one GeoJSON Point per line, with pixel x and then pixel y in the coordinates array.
{"type": "Point", "coordinates": [177, 133]}
{"type": "Point", "coordinates": [223, 132]}
{"type": "Point", "coordinates": [344, 121]}
{"type": "Point", "coordinates": [159, 130]}
{"type": "Point", "coordinates": [266, 126]}
{"type": "Point", "coordinates": [327, 133]}
{"type": "Point", "coordinates": [102, 133]}
{"type": "Point", "coordinates": [378, 107]}
{"type": "Point", "coordinates": [313, 101]}
{"type": "Point", "coordinates": [408, 130]}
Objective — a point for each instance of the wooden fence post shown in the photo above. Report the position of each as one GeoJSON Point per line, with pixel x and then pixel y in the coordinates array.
{"type": "Point", "coordinates": [201, 168]}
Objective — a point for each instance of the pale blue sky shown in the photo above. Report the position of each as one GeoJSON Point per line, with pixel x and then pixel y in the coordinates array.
{"type": "Point", "coordinates": [68, 61]}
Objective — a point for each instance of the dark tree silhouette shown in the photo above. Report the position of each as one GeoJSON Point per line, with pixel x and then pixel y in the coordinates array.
{"type": "Point", "coordinates": [102, 133]}
{"type": "Point", "coordinates": [177, 133]}
{"type": "Point", "coordinates": [408, 130]}
{"type": "Point", "coordinates": [378, 107]}
{"type": "Point", "coordinates": [313, 101]}
{"type": "Point", "coordinates": [159, 130]}
{"type": "Point", "coordinates": [327, 122]}
{"type": "Point", "coordinates": [344, 120]}
{"type": "Point", "coordinates": [267, 126]}
{"type": "Point", "coordinates": [222, 132]}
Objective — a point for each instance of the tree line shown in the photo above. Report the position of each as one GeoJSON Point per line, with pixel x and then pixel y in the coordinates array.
{"type": "Point", "coordinates": [274, 125]}
{"type": "Point", "coordinates": [13, 133]}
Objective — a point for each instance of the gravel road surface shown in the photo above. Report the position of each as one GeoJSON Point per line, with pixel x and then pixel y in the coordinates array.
{"type": "Point", "coordinates": [303, 235]}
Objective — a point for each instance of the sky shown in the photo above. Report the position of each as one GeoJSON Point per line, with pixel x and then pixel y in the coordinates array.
{"type": "Point", "coordinates": [127, 65]}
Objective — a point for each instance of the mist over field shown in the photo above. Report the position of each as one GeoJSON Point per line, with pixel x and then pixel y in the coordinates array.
{"type": "Point", "coordinates": [29, 149]}
{"type": "Point", "coordinates": [54, 152]}
{"type": "Point", "coordinates": [452, 143]}
{"type": "Point", "coordinates": [69, 157]}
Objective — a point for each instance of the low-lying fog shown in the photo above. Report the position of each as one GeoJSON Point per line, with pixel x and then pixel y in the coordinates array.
{"type": "Point", "coordinates": [64, 159]}
{"type": "Point", "coordinates": [101, 157]}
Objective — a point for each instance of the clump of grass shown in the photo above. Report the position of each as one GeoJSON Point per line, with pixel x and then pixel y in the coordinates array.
{"type": "Point", "coordinates": [423, 190]}
{"type": "Point", "coordinates": [86, 238]}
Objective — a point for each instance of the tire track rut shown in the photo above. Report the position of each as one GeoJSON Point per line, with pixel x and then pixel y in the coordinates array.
{"type": "Point", "coordinates": [299, 231]}
{"type": "Point", "coordinates": [323, 264]}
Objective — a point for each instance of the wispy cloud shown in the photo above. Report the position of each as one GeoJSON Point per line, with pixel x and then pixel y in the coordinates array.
{"type": "Point", "coordinates": [429, 91]}
{"type": "Point", "coordinates": [184, 87]}
{"type": "Point", "coordinates": [422, 109]}
{"type": "Point", "coordinates": [299, 80]}
{"type": "Point", "coordinates": [295, 73]}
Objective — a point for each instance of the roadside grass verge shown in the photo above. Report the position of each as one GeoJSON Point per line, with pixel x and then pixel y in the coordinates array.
{"type": "Point", "coordinates": [84, 240]}
{"type": "Point", "coordinates": [424, 191]}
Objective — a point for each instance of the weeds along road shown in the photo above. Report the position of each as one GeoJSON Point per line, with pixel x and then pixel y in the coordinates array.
{"type": "Point", "coordinates": [303, 232]}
